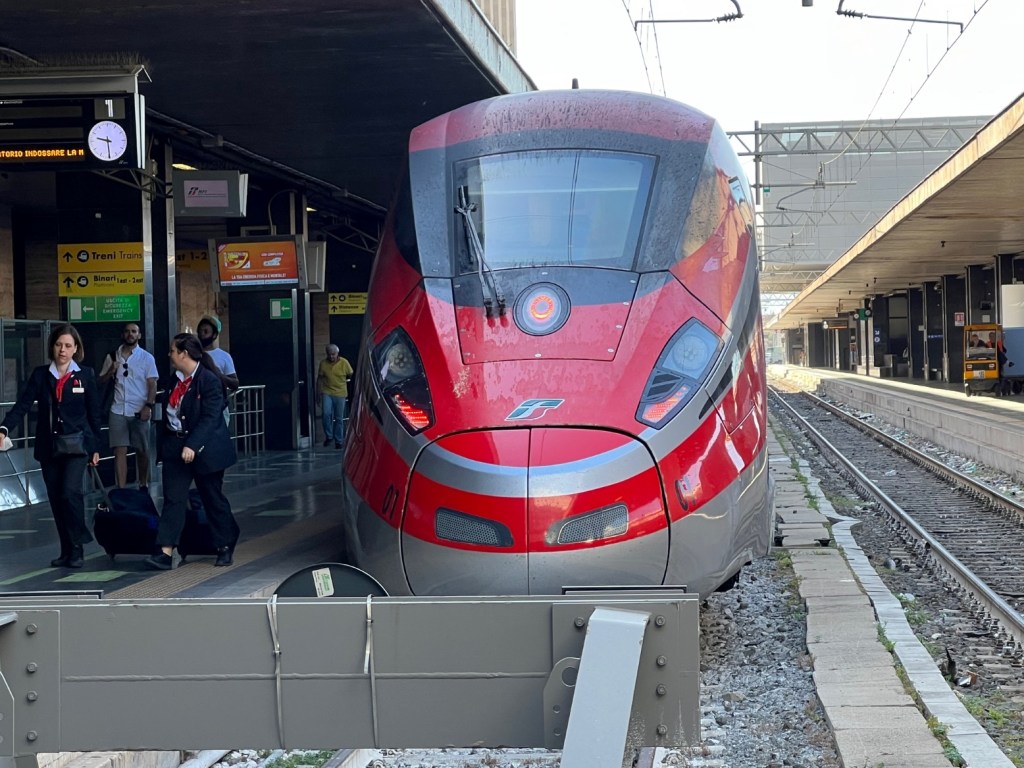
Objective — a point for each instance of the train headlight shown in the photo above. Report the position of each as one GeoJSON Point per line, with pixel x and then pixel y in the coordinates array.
{"type": "Point", "coordinates": [541, 309]}
{"type": "Point", "coordinates": [682, 366]}
{"type": "Point", "coordinates": [402, 380]}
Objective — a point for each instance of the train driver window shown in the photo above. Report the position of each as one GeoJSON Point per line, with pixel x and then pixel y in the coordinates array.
{"type": "Point", "coordinates": [556, 207]}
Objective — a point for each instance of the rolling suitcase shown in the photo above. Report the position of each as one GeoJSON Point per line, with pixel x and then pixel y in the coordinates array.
{"type": "Point", "coordinates": [196, 537]}
{"type": "Point", "coordinates": [125, 521]}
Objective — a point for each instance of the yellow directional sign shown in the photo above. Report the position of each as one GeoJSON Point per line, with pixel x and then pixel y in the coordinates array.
{"type": "Point", "coordinates": [99, 257]}
{"type": "Point", "coordinates": [186, 260]}
{"type": "Point", "coordinates": [101, 283]}
{"type": "Point", "coordinates": [346, 303]}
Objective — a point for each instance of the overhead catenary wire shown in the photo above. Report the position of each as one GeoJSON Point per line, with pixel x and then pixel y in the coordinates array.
{"type": "Point", "coordinates": [927, 79]}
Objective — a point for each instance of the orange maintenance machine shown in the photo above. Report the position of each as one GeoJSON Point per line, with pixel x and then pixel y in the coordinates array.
{"type": "Point", "coordinates": [983, 359]}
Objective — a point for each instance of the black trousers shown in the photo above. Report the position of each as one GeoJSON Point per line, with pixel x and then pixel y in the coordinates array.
{"type": "Point", "coordinates": [64, 477]}
{"type": "Point", "coordinates": [177, 478]}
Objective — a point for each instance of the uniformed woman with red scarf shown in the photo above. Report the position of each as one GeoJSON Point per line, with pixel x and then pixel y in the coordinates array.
{"type": "Point", "coordinates": [67, 436]}
{"type": "Point", "coordinates": [195, 446]}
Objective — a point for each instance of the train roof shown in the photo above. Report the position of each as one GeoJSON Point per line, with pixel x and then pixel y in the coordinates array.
{"type": "Point", "coordinates": [626, 111]}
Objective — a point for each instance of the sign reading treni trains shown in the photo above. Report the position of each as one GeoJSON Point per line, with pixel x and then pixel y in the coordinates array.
{"type": "Point", "coordinates": [100, 269]}
{"type": "Point", "coordinates": [99, 257]}
{"type": "Point", "coordinates": [58, 133]}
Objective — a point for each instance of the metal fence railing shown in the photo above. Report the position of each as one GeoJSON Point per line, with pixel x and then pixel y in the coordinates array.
{"type": "Point", "coordinates": [247, 425]}
{"type": "Point", "coordinates": [21, 480]}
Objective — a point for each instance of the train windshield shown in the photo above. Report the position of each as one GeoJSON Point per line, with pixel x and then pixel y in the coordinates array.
{"type": "Point", "coordinates": [553, 208]}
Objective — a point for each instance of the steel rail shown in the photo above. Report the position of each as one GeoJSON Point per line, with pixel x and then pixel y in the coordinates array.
{"type": "Point", "coordinates": [1009, 619]}
{"type": "Point", "coordinates": [977, 489]}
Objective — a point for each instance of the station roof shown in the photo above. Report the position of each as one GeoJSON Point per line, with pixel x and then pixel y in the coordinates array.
{"type": "Point", "coordinates": [965, 213]}
{"type": "Point", "coordinates": [329, 88]}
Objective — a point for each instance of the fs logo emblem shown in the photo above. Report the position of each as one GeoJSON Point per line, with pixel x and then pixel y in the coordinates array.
{"type": "Point", "coordinates": [531, 410]}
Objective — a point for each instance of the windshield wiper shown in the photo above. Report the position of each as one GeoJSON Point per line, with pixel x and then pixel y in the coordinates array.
{"type": "Point", "coordinates": [488, 288]}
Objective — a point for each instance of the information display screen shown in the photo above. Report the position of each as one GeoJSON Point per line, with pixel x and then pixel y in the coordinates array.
{"type": "Point", "coordinates": [265, 262]}
{"type": "Point", "coordinates": [70, 132]}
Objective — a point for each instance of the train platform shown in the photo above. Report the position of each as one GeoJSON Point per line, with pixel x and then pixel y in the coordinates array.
{"type": "Point", "coordinates": [873, 715]}
{"type": "Point", "coordinates": [986, 428]}
{"type": "Point", "coordinates": [288, 505]}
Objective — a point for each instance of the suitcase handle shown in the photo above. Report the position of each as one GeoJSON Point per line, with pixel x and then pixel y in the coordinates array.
{"type": "Point", "coordinates": [97, 484]}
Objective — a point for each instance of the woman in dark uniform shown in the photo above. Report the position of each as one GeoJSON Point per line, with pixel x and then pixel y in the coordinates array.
{"type": "Point", "coordinates": [68, 417]}
{"type": "Point", "coordinates": [194, 446]}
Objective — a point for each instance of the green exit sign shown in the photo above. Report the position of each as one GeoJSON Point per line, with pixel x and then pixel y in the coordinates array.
{"type": "Point", "coordinates": [280, 309]}
{"type": "Point", "coordinates": [104, 309]}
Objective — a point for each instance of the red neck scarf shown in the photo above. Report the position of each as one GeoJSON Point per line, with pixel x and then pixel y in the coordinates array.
{"type": "Point", "coordinates": [60, 384]}
{"type": "Point", "coordinates": [179, 391]}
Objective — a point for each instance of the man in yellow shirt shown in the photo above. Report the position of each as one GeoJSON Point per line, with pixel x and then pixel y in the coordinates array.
{"type": "Point", "coordinates": [332, 389]}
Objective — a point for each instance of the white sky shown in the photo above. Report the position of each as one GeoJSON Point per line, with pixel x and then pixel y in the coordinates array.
{"type": "Point", "coordinates": [782, 62]}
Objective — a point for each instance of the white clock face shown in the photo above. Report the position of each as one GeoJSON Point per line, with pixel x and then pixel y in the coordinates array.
{"type": "Point", "coordinates": [107, 140]}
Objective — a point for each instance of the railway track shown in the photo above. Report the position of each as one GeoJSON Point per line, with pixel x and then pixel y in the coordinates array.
{"type": "Point", "coordinates": [948, 544]}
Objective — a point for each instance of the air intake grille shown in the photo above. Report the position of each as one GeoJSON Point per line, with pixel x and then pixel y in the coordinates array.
{"type": "Point", "coordinates": [662, 385]}
{"type": "Point", "coordinates": [467, 529]}
{"type": "Point", "coordinates": [594, 526]}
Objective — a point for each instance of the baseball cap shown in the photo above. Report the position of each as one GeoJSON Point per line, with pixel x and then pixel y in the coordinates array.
{"type": "Point", "coordinates": [212, 320]}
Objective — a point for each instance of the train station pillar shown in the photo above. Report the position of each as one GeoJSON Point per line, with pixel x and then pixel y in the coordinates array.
{"type": "Point", "coordinates": [917, 338]}
{"type": "Point", "coordinates": [933, 331]}
{"type": "Point", "coordinates": [815, 336]}
{"type": "Point", "coordinates": [981, 294]}
{"type": "Point", "coordinates": [954, 314]}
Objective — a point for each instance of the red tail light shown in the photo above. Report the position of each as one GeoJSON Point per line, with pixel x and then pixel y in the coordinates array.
{"type": "Point", "coordinates": [417, 418]}
{"type": "Point", "coordinates": [400, 375]}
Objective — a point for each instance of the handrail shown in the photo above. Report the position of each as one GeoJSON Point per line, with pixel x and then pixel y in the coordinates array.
{"type": "Point", "coordinates": [246, 424]}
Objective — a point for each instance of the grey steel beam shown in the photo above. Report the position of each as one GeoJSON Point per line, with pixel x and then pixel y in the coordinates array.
{"type": "Point", "coordinates": [87, 675]}
{"type": "Point", "coordinates": [606, 682]}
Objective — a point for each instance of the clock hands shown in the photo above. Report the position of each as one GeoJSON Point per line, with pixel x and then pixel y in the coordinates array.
{"type": "Point", "coordinates": [106, 139]}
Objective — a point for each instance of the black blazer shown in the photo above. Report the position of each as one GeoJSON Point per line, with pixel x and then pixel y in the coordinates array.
{"type": "Point", "coordinates": [201, 412]}
{"type": "Point", "coordinates": [79, 409]}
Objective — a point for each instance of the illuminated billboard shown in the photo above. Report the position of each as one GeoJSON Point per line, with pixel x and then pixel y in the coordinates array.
{"type": "Point", "coordinates": [257, 263]}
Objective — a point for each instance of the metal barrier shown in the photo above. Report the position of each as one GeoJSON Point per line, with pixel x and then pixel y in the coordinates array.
{"type": "Point", "coordinates": [15, 473]}
{"type": "Point", "coordinates": [245, 407]}
{"type": "Point", "coordinates": [21, 480]}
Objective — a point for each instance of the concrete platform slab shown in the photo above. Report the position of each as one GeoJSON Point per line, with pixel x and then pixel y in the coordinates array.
{"type": "Point", "coordinates": [866, 693]}
{"type": "Point", "coordinates": [819, 587]}
{"type": "Point", "coordinates": [888, 746]}
{"type": "Point", "coordinates": [849, 655]}
{"type": "Point", "coordinates": [841, 626]}
{"type": "Point", "coordinates": [800, 517]}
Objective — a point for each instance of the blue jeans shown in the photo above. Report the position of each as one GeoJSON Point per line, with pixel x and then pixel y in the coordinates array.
{"type": "Point", "coordinates": [334, 417]}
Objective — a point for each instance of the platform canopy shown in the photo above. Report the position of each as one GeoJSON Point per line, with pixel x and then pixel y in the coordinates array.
{"type": "Point", "coordinates": [965, 213]}
{"type": "Point", "coordinates": [329, 88]}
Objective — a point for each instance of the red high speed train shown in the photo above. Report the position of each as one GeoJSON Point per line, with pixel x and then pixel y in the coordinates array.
{"type": "Point", "coordinates": [562, 377]}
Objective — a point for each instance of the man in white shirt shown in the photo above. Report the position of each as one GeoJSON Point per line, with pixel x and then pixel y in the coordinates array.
{"type": "Point", "coordinates": [208, 332]}
{"type": "Point", "coordinates": [133, 371]}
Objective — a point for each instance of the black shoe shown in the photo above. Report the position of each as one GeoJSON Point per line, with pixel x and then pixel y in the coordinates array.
{"type": "Point", "coordinates": [224, 556]}
{"type": "Point", "coordinates": [337, 445]}
{"type": "Point", "coordinates": [159, 562]}
{"type": "Point", "coordinates": [327, 443]}
{"type": "Point", "coordinates": [77, 557]}
{"type": "Point", "coordinates": [60, 562]}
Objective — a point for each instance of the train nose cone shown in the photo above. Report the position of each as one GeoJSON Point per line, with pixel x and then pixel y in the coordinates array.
{"type": "Point", "coordinates": [529, 511]}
